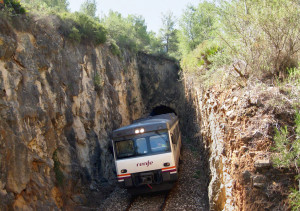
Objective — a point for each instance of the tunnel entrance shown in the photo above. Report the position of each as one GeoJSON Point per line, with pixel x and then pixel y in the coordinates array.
{"type": "Point", "coordinates": [162, 110]}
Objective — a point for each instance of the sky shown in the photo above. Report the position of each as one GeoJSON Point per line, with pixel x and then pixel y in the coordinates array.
{"type": "Point", "coordinates": [151, 10]}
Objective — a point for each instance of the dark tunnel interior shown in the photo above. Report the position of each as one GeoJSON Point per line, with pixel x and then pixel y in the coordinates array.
{"type": "Point", "coordinates": [162, 110]}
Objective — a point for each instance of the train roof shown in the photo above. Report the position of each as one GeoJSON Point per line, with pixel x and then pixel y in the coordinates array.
{"type": "Point", "coordinates": [151, 123]}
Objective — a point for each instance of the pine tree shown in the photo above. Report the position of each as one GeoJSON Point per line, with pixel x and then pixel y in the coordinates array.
{"type": "Point", "coordinates": [89, 7]}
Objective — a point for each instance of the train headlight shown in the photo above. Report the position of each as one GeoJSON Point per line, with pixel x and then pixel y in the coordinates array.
{"type": "Point", "coordinates": [167, 164]}
{"type": "Point", "coordinates": [140, 130]}
{"type": "Point", "coordinates": [123, 171]}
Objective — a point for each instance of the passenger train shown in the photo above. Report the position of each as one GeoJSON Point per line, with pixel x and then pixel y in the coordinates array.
{"type": "Point", "coordinates": [146, 153]}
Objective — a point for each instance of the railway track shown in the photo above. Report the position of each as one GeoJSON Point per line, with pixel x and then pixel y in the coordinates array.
{"type": "Point", "coordinates": [155, 202]}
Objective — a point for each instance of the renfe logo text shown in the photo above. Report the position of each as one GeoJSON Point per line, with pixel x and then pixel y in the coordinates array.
{"type": "Point", "coordinates": [148, 163]}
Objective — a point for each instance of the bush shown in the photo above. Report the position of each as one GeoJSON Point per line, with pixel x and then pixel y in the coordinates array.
{"type": "Point", "coordinates": [129, 33]}
{"type": "Point", "coordinates": [291, 86]}
{"type": "Point", "coordinates": [98, 81]}
{"type": "Point", "coordinates": [114, 47]}
{"type": "Point", "coordinates": [13, 7]}
{"type": "Point", "coordinates": [288, 155]}
{"type": "Point", "coordinates": [80, 27]}
{"type": "Point", "coordinates": [295, 200]}
{"type": "Point", "coordinates": [200, 58]}
{"type": "Point", "coordinates": [75, 35]}
{"type": "Point", "coordinates": [46, 5]}
{"type": "Point", "coordinates": [264, 34]}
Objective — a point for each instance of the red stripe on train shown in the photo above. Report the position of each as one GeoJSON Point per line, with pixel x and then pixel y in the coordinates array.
{"type": "Point", "coordinates": [171, 170]}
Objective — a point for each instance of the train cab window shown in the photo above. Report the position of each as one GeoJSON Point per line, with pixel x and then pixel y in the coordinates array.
{"type": "Point", "coordinates": [159, 143]}
{"type": "Point", "coordinates": [125, 148]}
{"type": "Point", "coordinates": [141, 146]}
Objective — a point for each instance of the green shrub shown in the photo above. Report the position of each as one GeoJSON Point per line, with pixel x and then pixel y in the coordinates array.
{"type": "Point", "coordinates": [290, 85]}
{"type": "Point", "coordinates": [295, 199]}
{"type": "Point", "coordinates": [13, 7]}
{"type": "Point", "coordinates": [294, 76]}
{"type": "Point", "coordinates": [46, 5]}
{"type": "Point", "coordinates": [75, 35]}
{"type": "Point", "coordinates": [98, 82]}
{"type": "Point", "coordinates": [289, 149]}
{"type": "Point", "coordinates": [81, 27]}
{"type": "Point", "coordinates": [288, 155]}
{"type": "Point", "coordinates": [129, 33]}
{"type": "Point", "coordinates": [114, 47]}
{"type": "Point", "coordinates": [201, 59]}
{"type": "Point", "coordinates": [264, 34]}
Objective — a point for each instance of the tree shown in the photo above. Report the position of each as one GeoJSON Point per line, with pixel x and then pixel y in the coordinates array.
{"type": "Point", "coordinates": [89, 7]}
{"type": "Point", "coordinates": [119, 29]}
{"type": "Point", "coordinates": [197, 24]}
{"type": "Point", "coordinates": [156, 45]}
{"type": "Point", "coordinates": [168, 32]}
{"type": "Point", "coordinates": [130, 32]}
{"type": "Point", "coordinates": [59, 5]}
{"type": "Point", "coordinates": [139, 30]}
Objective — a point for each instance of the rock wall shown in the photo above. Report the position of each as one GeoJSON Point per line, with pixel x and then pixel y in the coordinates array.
{"type": "Point", "coordinates": [59, 103]}
{"type": "Point", "coordinates": [159, 85]}
{"type": "Point", "coordinates": [237, 126]}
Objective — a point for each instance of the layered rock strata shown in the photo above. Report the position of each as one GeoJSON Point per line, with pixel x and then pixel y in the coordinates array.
{"type": "Point", "coordinates": [59, 103]}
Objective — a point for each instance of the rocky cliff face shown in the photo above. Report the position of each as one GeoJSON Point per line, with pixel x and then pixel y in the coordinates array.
{"type": "Point", "coordinates": [237, 126]}
{"type": "Point", "coordinates": [59, 104]}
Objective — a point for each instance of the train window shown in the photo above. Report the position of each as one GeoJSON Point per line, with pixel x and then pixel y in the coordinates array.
{"type": "Point", "coordinates": [159, 143]}
{"type": "Point", "coordinates": [141, 146]}
{"type": "Point", "coordinates": [125, 148]}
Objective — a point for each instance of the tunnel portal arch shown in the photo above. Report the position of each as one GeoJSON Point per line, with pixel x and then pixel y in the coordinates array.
{"type": "Point", "coordinates": [161, 109]}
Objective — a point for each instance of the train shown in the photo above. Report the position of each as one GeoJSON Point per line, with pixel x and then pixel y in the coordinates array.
{"type": "Point", "coordinates": [147, 153]}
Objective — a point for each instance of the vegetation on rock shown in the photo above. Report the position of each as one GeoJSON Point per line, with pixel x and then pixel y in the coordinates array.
{"type": "Point", "coordinates": [11, 7]}
{"type": "Point", "coordinates": [81, 27]}
{"type": "Point", "coordinates": [46, 5]}
{"type": "Point", "coordinates": [287, 146]}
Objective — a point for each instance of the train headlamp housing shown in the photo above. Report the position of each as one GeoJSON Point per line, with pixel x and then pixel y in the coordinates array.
{"type": "Point", "coordinates": [124, 171]}
{"type": "Point", "coordinates": [139, 130]}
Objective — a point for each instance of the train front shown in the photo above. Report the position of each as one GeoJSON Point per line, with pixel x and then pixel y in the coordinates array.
{"type": "Point", "coordinates": [143, 157]}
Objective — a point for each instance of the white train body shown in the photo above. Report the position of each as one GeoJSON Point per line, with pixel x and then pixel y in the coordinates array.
{"type": "Point", "coordinates": [147, 152]}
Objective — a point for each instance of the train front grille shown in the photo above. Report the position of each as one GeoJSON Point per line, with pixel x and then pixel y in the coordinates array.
{"type": "Point", "coordinates": [144, 178]}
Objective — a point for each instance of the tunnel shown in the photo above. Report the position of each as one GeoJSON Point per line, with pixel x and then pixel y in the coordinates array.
{"type": "Point", "coordinates": [161, 110]}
